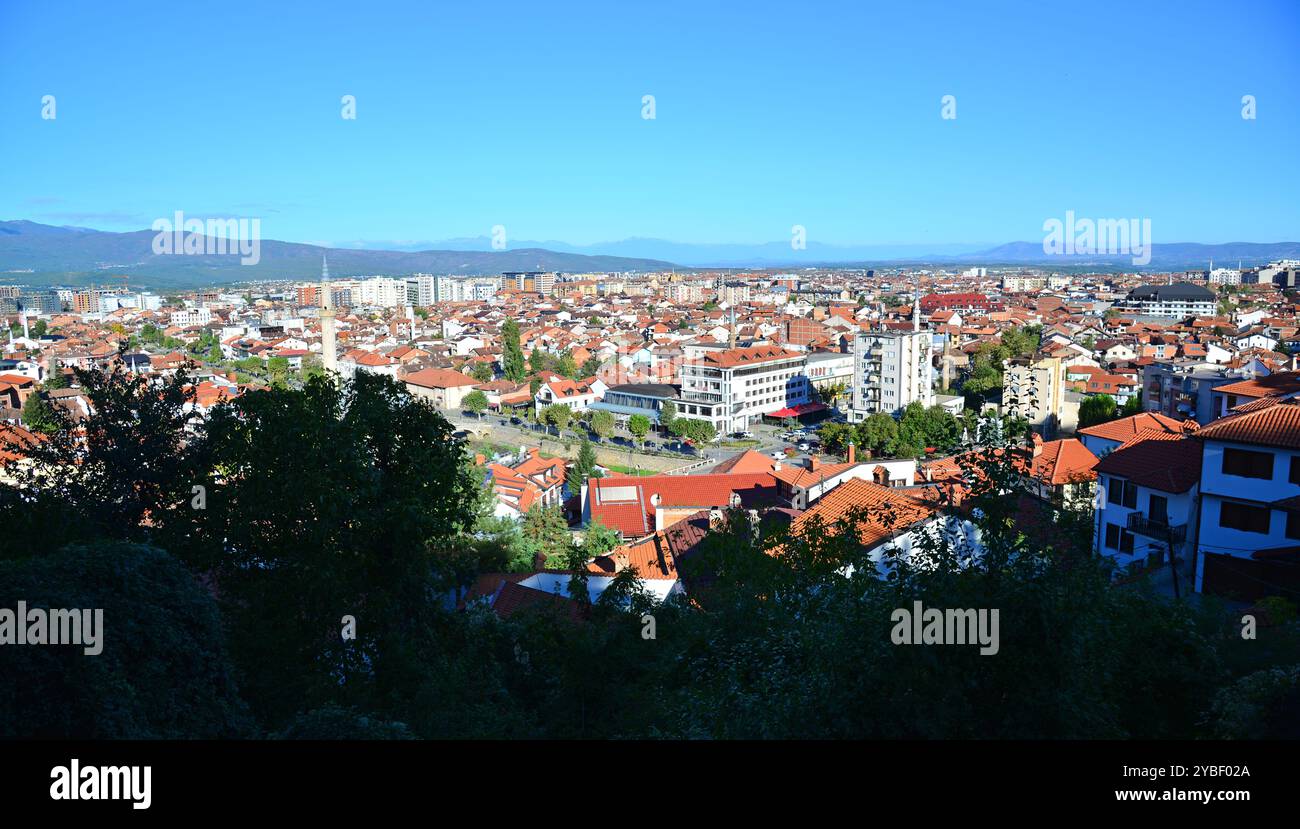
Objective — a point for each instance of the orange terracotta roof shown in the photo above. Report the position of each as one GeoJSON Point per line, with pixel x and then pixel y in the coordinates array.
{"type": "Point", "coordinates": [1064, 461]}
{"type": "Point", "coordinates": [1126, 427]}
{"type": "Point", "coordinates": [884, 511]}
{"type": "Point", "coordinates": [1268, 425]}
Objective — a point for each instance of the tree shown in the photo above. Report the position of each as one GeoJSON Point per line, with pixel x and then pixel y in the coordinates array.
{"type": "Point", "coordinates": [547, 534]}
{"type": "Point", "coordinates": [1097, 408]}
{"type": "Point", "coordinates": [591, 366]}
{"type": "Point", "coordinates": [278, 369]}
{"type": "Point", "coordinates": [512, 356]}
{"type": "Point", "coordinates": [38, 328]}
{"type": "Point", "coordinates": [558, 415]}
{"type": "Point", "coordinates": [482, 372]}
{"type": "Point", "coordinates": [667, 414]}
{"type": "Point", "coordinates": [566, 367]}
{"type": "Point", "coordinates": [349, 496]}
{"type": "Point", "coordinates": [163, 671]}
{"type": "Point", "coordinates": [878, 434]}
{"type": "Point", "coordinates": [639, 426]}
{"type": "Point", "coordinates": [835, 437]}
{"type": "Point", "coordinates": [602, 423]}
{"type": "Point", "coordinates": [101, 477]}
{"type": "Point", "coordinates": [584, 468]}
{"type": "Point", "coordinates": [39, 416]}
{"type": "Point", "coordinates": [476, 402]}
{"type": "Point", "coordinates": [56, 378]}
{"type": "Point", "coordinates": [1132, 406]}
{"type": "Point", "coordinates": [538, 361]}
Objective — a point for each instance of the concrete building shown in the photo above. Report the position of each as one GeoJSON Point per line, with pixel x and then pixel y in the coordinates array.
{"type": "Point", "coordinates": [1035, 391]}
{"type": "Point", "coordinates": [1177, 301]}
{"type": "Point", "coordinates": [734, 387]}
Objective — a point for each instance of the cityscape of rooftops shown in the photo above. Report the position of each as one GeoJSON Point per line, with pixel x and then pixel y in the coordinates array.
{"type": "Point", "coordinates": [735, 372]}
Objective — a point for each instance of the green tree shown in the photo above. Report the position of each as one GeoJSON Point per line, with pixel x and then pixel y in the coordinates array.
{"type": "Point", "coordinates": [639, 426]}
{"type": "Point", "coordinates": [557, 415]}
{"type": "Point", "coordinates": [602, 423]}
{"type": "Point", "coordinates": [350, 497]}
{"type": "Point", "coordinates": [38, 415]}
{"type": "Point", "coordinates": [591, 366]}
{"type": "Point", "coordinates": [667, 414]}
{"type": "Point", "coordinates": [584, 468]}
{"type": "Point", "coordinates": [56, 379]}
{"type": "Point", "coordinates": [512, 356]}
{"type": "Point", "coordinates": [482, 372]}
{"type": "Point", "coordinates": [476, 402]}
{"type": "Point", "coordinates": [163, 671]}
{"type": "Point", "coordinates": [38, 328]}
{"type": "Point", "coordinates": [566, 367]}
{"type": "Point", "coordinates": [547, 534]}
{"type": "Point", "coordinates": [1097, 408]}
{"type": "Point", "coordinates": [878, 434]}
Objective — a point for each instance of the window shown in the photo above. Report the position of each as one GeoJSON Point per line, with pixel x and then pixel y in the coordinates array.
{"type": "Point", "coordinates": [1124, 493]}
{"type": "Point", "coordinates": [1246, 464]}
{"type": "Point", "coordinates": [1293, 525]}
{"type": "Point", "coordinates": [1118, 538]}
{"type": "Point", "coordinates": [1244, 517]}
{"type": "Point", "coordinates": [1295, 469]}
{"type": "Point", "coordinates": [1158, 509]}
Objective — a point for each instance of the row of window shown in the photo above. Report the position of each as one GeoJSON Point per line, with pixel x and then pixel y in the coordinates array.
{"type": "Point", "coordinates": [1244, 463]}
{"type": "Point", "coordinates": [1252, 518]}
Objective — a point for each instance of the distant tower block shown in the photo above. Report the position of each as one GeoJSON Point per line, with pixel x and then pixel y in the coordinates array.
{"type": "Point", "coordinates": [329, 351]}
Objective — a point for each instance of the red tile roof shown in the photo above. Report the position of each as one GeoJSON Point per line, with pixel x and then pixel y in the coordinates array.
{"type": "Point", "coordinates": [747, 356]}
{"type": "Point", "coordinates": [1064, 461]}
{"type": "Point", "coordinates": [1156, 460]}
{"type": "Point", "coordinates": [439, 378]}
{"type": "Point", "coordinates": [1126, 427]}
{"type": "Point", "coordinates": [1283, 382]}
{"type": "Point", "coordinates": [627, 503]}
{"type": "Point", "coordinates": [885, 510]}
{"type": "Point", "coordinates": [1275, 425]}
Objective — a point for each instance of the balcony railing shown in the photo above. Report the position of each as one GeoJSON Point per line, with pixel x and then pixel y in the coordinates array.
{"type": "Point", "coordinates": [1156, 528]}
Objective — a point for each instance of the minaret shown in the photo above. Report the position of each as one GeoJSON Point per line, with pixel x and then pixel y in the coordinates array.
{"type": "Point", "coordinates": [329, 354]}
{"type": "Point", "coordinates": [916, 307]}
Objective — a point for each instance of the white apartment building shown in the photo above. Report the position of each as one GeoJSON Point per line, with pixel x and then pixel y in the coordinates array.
{"type": "Point", "coordinates": [1147, 499]}
{"type": "Point", "coordinates": [191, 316]}
{"type": "Point", "coordinates": [733, 388]}
{"type": "Point", "coordinates": [381, 292]}
{"type": "Point", "coordinates": [891, 369]}
{"type": "Point", "coordinates": [1177, 301]}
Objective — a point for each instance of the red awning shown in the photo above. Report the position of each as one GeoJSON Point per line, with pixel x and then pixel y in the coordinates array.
{"type": "Point", "coordinates": [796, 411]}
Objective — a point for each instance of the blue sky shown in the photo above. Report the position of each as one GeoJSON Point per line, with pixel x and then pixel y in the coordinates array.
{"type": "Point", "coordinates": [826, 115]}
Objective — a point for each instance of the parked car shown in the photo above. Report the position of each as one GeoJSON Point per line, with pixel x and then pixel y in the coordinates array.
{"type": "Point", "coordinates": [777, 454]}
{"type": "Point", "coordinates": [515, 421]}
{"type": "Point", "coordinates": [803, 447]}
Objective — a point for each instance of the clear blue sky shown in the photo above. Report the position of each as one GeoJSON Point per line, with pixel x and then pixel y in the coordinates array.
{"type": "Point", "coordinates": [528, 115]}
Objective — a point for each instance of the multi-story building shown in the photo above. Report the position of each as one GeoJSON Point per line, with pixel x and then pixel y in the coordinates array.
{"type": "Point", "coordinates": [539, 282]}
{"type": "Point", "coordinates": [1248, 523]}
{"type": "Point", "coordinates": [1177, 301]}
{"type": "Point", "coordinates": [891, 369]}
{"type": "Point", "coordinates": [1147, 499]}
{"type": "Point", "coordinates": [734, 387]}
{"type": "Point", "coordinates": [191, 317]}
{"type": "Point", "coordinates": [1035, 390]}
{"type": "Point", "coordinates": [734, 293]}
{"type": "Point", "coordinates": [828, 369]}
{"type": "Point", "coordinates": [1184, 389]}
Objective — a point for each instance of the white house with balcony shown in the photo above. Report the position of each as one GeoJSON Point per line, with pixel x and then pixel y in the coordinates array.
{"type": "Point", "coordinates": [1248, 545]}
{"type": "Point", "coordinates": [1146, 499]}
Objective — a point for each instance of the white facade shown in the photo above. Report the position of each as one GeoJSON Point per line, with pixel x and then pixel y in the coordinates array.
{"type": "Point", "coordinates": [891, 369]}
{"type": "Point", "coordinates": [1239, 486]}
{"type": "Point", "coordinates": [732, 393]}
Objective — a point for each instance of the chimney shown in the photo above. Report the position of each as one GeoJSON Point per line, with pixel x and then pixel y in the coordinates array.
{"type": "Point", "coordinates": [1036, 440]}
{"type": "Point", "coordinates": [853, 453]}
{"type": "Point", "coordinates": [813, 463]}
{"type": "Point", "coordinates": [776, 466]}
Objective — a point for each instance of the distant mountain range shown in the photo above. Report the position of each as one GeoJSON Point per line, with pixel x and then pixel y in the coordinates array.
{"type": "Point", "coordinates": [39, 254]}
